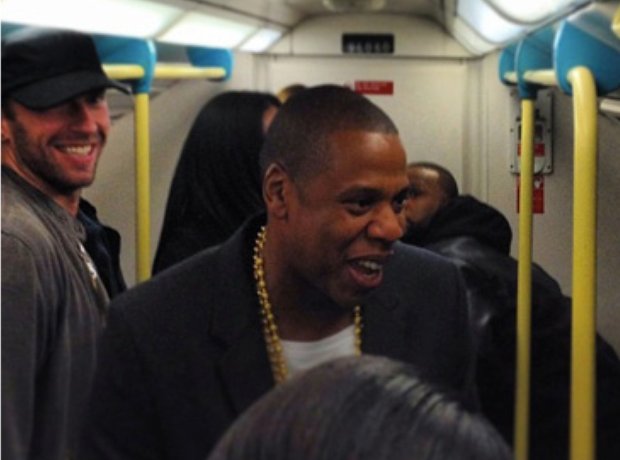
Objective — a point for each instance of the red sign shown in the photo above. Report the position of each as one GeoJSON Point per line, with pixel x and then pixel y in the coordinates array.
{"type": "Point", "coordinates": [374, 87]}
{"type": "Point", "coordinates": [539, 149]}
{"type": "Point", "coordinates": [538, 194]}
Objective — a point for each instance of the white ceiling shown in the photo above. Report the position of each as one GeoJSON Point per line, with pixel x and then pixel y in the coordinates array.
{"type": "Point", "coordinates": [290, 12]}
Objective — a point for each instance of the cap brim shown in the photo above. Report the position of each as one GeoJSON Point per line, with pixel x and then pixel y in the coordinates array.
{"type": "Point", "coordinates": [54, 91]}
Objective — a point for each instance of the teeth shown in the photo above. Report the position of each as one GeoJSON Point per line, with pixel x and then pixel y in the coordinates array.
{"type": "Point", "coordinates": [77, 150]}
{"type": "Point", "coordinates": [370, 265]}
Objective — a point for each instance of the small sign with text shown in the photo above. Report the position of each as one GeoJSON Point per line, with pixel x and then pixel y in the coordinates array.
{"type": "Point", "coordinates": [374, 87]}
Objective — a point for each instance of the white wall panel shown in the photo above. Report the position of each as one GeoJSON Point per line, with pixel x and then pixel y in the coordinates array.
{"type": "Point", "coordinates": [427, 104]}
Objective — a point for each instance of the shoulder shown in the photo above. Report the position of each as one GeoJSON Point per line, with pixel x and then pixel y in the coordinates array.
{"type": "Point", "coordinates": [199, 282]}
{"type": "Point", "coordinates": [428, 278]}
{"type": "Point", "coordinates": [22, 227]}
{"type": "Point", "coordinates": [187, 276]}
{"type": "Point", "coordinates": [412, 261]}
{"type": "Point", "coordinates": [35, 278]}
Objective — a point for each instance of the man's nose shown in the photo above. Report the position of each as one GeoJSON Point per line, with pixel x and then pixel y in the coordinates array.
{"type": "Point", "coordinates": [387, 225]}
{"type": "Point", "coordinates": [83, 116]}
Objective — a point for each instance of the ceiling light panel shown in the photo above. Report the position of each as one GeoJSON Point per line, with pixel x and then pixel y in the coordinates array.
{"type": "Point", "coordinates": [202, 30]}
{"type": "Point", "coordinates": [489, 24]}
{"type": "Point", "coordinates": [133, 18]}
{"type": "Point", "coordinates": [534, 11]}
{"type": "Point", "coordinates": [261, 40]}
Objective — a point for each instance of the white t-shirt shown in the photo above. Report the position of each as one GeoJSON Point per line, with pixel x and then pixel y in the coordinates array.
{"type": "Point", "coordinates": [301, 356]}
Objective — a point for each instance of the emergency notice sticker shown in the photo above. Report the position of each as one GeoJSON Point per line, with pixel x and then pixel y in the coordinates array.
{"type": "Point", "coordinates": [374, 87]}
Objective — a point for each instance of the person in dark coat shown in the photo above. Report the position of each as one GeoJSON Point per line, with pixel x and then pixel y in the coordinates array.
{"type": "Point", "coordinates": [477, 237]}
{"type": "Point", "coordinates": [319, 276]}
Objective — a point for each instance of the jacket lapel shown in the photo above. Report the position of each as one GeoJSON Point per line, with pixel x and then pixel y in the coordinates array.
{"type": "Point", "coordinates": [244, 366]}
{"type": "Point", "coordinates": [245, 370]}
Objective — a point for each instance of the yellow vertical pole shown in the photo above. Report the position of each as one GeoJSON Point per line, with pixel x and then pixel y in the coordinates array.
{"type": "Point", "coordinates": [583, 369]}
{"type": "Point", "coordinates": [143, 226]}
{"type": "Point", "coordinates": [524, 283]}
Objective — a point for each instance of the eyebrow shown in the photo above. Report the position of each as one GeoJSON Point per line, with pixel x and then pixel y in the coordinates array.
{"type": "Point", "coordinates": [355, 192]}
{"type": "Point", "coordinates": [371, 192]}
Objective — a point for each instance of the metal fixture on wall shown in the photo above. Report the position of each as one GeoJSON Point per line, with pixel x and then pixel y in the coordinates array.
{"type": "Point", "coordinates": [354, 5]}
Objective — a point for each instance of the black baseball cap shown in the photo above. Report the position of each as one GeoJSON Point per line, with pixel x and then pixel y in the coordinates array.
{"type": "Point", "coordinates": [42, 68]}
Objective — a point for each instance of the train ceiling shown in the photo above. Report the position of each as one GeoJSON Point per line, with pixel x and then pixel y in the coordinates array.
{"type": "Point", "coordinates": [479, 26]}
{"type": "Point", "coordinates": [255, 25]}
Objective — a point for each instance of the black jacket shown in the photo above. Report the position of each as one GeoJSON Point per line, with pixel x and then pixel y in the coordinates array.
{"type": "Point", "coordinates": [183, 353]}
{"type": "Point", "coordinates": [477, 237]}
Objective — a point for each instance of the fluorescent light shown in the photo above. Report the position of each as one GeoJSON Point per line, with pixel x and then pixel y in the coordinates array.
{"type": "Point", "coordinates": [261, 40]}
{"type": "Point", "coordinates": [470, 39]}
{"type": "Point", "coordinates": [202, 30]}
{"type": "Point", "coordinates": [133, 18]}
{"type": "Point", "coordinates": [534, 11]}
{"type": "Point", "coordinates": [490, 25]}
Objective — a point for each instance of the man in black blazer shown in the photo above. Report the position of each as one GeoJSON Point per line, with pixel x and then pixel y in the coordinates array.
{"type": "Point", "coordinates": [321, 275]}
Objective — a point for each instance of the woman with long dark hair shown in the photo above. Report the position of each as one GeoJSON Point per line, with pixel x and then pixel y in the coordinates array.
{"type": "Point", "coordinates": [217, 184]}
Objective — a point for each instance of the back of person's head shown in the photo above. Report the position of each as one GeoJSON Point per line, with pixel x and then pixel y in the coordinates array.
{"type": "Point", "coordinates": [217, 178]}
{"type": "Point", "coordinates": [441, 176]}
{"type": "Point", "coordinates": [431, 187]}
{"type": "Point", "coordinates": [43, 68]}
{"type": "Point", "coordinates": [366, 407]}
{"type": "Point", "coordinates": [299, 136]}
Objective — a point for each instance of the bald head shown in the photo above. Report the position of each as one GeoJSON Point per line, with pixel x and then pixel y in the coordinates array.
{"type": "Point", "coordinates": [431, 188]}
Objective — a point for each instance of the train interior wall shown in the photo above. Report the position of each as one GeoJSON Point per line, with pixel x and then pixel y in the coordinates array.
{"type": "Point", "coordinates": [450, 108]}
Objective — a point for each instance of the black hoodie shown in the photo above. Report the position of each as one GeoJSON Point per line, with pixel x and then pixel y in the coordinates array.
{"type": "Point", "coordinates": [465, 216]}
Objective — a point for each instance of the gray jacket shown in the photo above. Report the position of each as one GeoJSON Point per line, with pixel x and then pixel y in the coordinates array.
{"type": "Point", "coordinates": [53, 306]}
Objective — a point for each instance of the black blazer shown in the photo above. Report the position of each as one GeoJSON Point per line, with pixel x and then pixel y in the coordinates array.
{"type": "Point", "coordinates": [183, 354]}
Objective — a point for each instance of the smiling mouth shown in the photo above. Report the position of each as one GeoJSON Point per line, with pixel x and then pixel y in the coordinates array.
{"type": "Point", "coordinates": [369, 267]}
{"type": "Point", "coordinates": [79, 150]}
{"type": "Point", "coordinates": [366, 273]}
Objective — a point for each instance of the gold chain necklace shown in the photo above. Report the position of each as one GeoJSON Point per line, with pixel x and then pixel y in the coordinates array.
{"type": "Point", "coordinates": [270, 328]}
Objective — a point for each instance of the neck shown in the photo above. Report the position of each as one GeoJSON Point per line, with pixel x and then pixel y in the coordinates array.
{"type": "Point", "coordinates": [298, 324]}
{"type": "Point", "coordinates": [69, 200]}
{"type": "Point", "coordinates": [303, 313]}
{"type": "Point", "coordinates": [71, 204]}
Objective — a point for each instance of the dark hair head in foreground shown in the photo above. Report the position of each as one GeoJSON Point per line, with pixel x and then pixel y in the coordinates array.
{"type": "Point", "coordinates": [359, 408]}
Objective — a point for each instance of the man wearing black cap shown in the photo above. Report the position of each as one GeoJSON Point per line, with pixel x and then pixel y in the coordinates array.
{"type": "Point", "coordinates": [55, 123]}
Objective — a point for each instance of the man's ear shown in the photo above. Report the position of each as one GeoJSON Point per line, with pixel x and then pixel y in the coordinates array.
{"type": "Point", "coordinates": [5, 129]}
{"type": "Point", "coordinates": [276, 189]}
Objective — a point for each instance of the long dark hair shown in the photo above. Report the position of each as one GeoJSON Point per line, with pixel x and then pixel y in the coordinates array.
{"type": "Point", "coordinates": [217, 183]}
